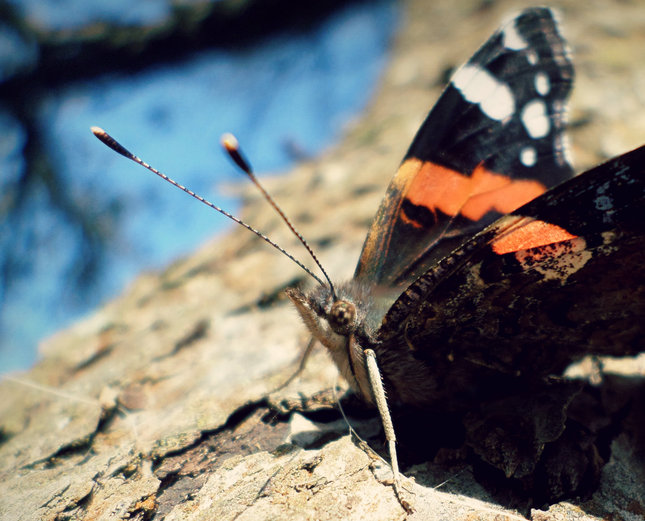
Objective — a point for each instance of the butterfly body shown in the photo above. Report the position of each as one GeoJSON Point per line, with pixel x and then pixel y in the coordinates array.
{"type": "Point", "coordinates": [347, 348]}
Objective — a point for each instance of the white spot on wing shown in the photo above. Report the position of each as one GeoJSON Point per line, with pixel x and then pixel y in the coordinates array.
{"type": "Point", "coordinates": [528, 156]}
{"type": "Point", "coordinates": [562, 149]}
{"type": "Point", "coordinates": [535, 119]}
{"type": "Point", "coordinates": [604, 203]}
{"type": "Point", "coordinates": [512, 39]}
{"type": "Point", "coordinates": [532, 57]}
{"type": "Point", "coordinates": [542, 84]}
{"type": "Point", "coordinates": [479, 86]}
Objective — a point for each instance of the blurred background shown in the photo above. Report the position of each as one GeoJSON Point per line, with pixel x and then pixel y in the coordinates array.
{"type": "Point", "coordinates": [166, 78]}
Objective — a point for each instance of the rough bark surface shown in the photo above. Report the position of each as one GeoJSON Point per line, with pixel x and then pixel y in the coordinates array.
{"type": "Point", "coordinates": [159, 405]}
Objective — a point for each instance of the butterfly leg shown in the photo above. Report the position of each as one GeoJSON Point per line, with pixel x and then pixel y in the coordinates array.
{"type": "Point", "coordinates": [378, 392]}
{"type": "Point", "coordinates": [303, 363]}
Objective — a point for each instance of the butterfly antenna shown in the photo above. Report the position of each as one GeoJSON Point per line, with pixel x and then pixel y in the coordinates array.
{"type": "Point", "coordinates": [232, 147]}
{"type": "Point", "coordinates": [112, 143]}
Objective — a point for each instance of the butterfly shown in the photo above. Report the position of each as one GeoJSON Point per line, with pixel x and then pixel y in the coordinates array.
{"type": "Point", "coordinates": [488, 268]}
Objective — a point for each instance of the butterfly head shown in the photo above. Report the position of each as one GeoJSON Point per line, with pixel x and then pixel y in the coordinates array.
{"type": "Point", "coordinates": [332, 320]}
{"type": "Point", "coordinates": [342, 322]}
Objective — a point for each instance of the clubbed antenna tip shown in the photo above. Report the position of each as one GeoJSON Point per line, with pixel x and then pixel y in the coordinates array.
{"type": "Point", "coordinates": [231, 145]}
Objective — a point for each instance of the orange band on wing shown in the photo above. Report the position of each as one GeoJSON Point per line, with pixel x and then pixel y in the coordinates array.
{"type": "Point", "coordinates": [530, 235]}
{"type": "Point", "coordinates": [437, 187]}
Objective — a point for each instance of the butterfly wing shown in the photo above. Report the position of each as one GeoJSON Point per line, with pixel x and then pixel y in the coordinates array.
{"type": "Point", "coordinates": [558, 278]}
{"type": "Point", "coordinates": [493, 141]}
{"type": "Point", "coordinates": [483, 331]}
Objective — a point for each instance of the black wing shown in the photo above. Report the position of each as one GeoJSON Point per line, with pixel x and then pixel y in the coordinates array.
{"type": "Point", "coordinates": [493, 141]}
{"type": "Point", "coordinates": [560, 277]}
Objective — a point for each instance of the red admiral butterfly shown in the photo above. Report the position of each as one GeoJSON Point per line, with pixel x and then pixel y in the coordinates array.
{"type": "Point", "coordinates": [466, 315]}
{"type": "Point", "coordinates": [479, 283]}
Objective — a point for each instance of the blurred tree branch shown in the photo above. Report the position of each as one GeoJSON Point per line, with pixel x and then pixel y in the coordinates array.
{"type": "Point", "coordinates": [77, 54]}
{"type": "Point", "coordinates": [73, 54]}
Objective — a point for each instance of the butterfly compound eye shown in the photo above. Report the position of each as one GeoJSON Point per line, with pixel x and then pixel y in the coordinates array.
{"type": "Point", "coordinates": [342, 317]}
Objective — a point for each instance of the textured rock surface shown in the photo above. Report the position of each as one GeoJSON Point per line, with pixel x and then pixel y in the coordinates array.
{"type": "Point", "coordinates": [156, 404]}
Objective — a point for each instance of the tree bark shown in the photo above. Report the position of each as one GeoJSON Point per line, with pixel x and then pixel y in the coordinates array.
{"type": "Point", "coordinates": [160, 404]}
